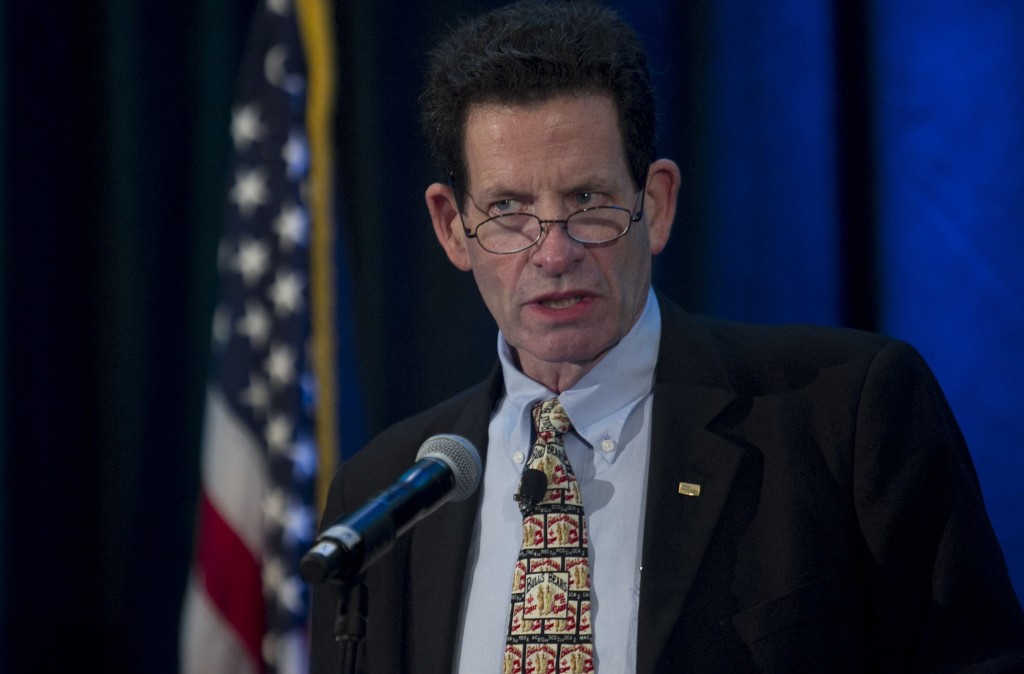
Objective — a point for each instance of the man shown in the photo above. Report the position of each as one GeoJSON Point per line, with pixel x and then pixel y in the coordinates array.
{"type": "Point", "coordinates": [755, 498]}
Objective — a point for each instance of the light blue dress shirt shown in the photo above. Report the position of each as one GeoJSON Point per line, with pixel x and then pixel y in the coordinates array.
{"type": "Point", "coordinates": [610, 409]}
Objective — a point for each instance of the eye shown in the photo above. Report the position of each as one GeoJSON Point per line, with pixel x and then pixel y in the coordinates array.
{"type": "Point", "coordinates": [588, 199]}
{"type": "Point", "coordinates": [506, 206]}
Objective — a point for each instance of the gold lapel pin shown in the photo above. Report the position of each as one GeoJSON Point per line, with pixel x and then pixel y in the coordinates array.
{"type": "Point", "coordinates": [689, 489]}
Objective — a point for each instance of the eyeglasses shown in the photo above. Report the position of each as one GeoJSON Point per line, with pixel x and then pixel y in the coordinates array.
{"type": "Point", "coordinates": [515, 232]}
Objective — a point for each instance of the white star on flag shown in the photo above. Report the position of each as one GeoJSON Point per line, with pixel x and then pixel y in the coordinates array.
{"type": "Point", "coordinates": [291, 226]}
{"type": "Point", "coordinates": [257, 396]}
{"type": "Point", "coordinates": [273, 510]}
{"type": "Point", "coordinates": [278, 433]}
{"type": "Point", "coordinates": [255, 324]}
{"type": "Point", "coordinates": [280, 365]}
{"type": "Point", "coordinates": [286, 293]}
{"type": "Point", "coordinates": [250, 190]}
{"type": "Point", "coordinates": [252, 261]}
{"type": "Point", "coordinates": [246, 127]}
{"type": "Point", "coordinates": [289, 593]}
{"type": "Point", "coordinates": [279, 7]}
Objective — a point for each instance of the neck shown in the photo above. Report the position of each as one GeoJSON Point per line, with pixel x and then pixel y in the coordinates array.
{"type": "Point", "coordinates": [557, 377]}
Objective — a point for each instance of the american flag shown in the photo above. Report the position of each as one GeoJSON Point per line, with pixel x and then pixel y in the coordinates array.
{"type": "Point", "coordinates": [246, 608]}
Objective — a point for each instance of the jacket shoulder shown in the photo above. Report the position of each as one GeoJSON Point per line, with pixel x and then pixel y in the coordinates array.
{"type": "Point", "coordinates": [761, 359]}
{"type": "Point", "coordinates": [393, 450]}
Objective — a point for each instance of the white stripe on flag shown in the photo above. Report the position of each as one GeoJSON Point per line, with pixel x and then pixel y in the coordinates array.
{"type": "Point", "coordinates": [234, 471]}
{"type": "Point", "coordinates": [208, 645]}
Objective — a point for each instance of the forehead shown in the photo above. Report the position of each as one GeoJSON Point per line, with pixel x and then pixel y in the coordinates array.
{"type": "Point", "coordinates": [565, 138]}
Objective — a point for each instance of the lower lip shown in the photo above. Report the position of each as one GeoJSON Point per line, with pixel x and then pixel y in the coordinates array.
{"type": "Point", "coordinates": [567, 313]}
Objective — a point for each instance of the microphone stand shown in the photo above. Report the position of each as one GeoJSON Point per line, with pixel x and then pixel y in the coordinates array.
{"type": "Point", "coordinates": [350, 622]}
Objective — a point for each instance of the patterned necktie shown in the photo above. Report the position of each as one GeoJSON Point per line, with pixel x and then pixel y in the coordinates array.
{"type": "Point", "coordinates": [549, 620]}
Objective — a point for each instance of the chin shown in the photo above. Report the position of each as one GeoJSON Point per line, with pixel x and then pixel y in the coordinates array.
{"type": "Point", "coordinates": [571, 353]}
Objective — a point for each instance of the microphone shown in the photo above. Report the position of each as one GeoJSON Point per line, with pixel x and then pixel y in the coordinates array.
{"type": "Point", "coordinates": [447, 468]}
{"type": "Point", "coordinates": [532, 486]}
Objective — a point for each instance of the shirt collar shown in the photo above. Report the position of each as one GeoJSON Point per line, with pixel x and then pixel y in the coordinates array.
{"type": "Point", "coordinates": [602, 400]}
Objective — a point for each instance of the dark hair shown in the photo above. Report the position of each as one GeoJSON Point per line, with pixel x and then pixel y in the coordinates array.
{"type": "Point", "coordinates": [529, 52]}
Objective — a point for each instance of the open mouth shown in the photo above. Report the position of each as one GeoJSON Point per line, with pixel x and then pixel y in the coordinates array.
{"type": "Point", "coordinates": [561, 303]}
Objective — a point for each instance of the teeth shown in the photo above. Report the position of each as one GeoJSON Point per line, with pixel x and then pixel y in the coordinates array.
{"type": "Point", "coordinates": [562, 303]}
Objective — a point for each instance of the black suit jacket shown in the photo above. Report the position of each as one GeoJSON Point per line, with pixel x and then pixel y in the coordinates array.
{"type": "Point", "coordinates": [839, 525]}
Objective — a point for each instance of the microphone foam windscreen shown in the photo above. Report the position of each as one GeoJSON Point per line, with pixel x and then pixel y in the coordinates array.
{"type": "Point", "coordinates": [460, 454]}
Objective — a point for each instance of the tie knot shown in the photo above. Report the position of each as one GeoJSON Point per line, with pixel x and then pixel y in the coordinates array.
{"type": "Point", "coordinates": [550, 415]}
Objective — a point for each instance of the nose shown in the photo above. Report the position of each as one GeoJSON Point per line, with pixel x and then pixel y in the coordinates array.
{"type": "Point", "coordinates": [556, 251]}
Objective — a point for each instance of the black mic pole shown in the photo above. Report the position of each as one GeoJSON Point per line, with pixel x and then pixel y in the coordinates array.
{"type": "Point", "coordinates": [350, 623]}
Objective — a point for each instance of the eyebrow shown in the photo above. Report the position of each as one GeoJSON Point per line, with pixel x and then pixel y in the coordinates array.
{"type": "Point", "coordinates": [593, 183]}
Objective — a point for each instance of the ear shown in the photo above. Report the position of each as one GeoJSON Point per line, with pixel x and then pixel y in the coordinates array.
{"type": "Point", "coordinates": [663, 179]}
{"type": "Point", "coordinates": [444, 213]}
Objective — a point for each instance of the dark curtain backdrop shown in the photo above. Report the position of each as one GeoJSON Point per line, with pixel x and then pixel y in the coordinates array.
{"type": "Point", "coordinates": [847, 163]}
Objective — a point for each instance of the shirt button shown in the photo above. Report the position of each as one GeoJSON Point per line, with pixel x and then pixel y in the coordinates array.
{"type": "Point", "coordinates": [519, 457]}
{"type": "Point", "coordinates": [607, 446]}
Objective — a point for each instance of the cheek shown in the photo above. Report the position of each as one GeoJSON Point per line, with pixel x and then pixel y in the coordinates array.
{"type": "Point", "coordinates": [633, 274]}
{"type": "Point", "coordinates": [493, 282]}
{"type": "Point", "coordinates": [484, 282]}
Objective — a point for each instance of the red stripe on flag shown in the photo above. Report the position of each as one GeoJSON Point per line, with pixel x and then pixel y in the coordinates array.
{"type": "Point", "coordinates": [232, 578]}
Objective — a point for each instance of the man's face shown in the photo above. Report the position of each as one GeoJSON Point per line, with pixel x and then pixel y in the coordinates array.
{"type": "Point", "coordinates": [559, 302]}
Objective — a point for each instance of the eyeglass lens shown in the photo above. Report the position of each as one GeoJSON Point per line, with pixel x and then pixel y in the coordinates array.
{"type": "Point", "coordinates": [513, 232]}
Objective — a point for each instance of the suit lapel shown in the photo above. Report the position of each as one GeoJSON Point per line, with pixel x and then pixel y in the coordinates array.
{"type": "Point", "coordinates": [440, 548]}
{"type": "Point", "coordinates": [690, 390]}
